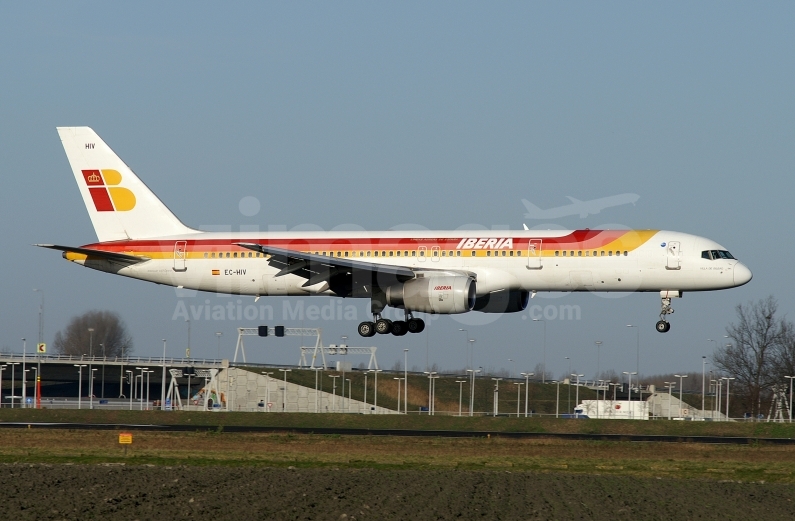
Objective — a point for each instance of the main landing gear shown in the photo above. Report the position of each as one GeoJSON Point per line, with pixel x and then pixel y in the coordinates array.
{"type": "Point", "coordinates": [384, 326]}
{"type": "Point", "coordinates": [663, 326]}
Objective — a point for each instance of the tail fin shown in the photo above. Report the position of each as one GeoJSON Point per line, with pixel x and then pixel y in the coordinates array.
{"type": "Point", "coordinates": [120, 205]}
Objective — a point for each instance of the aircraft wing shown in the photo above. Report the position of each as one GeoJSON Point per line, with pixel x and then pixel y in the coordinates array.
{"type": "Point", "coordinates": [321, 268]}
{"type": "Point", "coordinates": [105, 255]}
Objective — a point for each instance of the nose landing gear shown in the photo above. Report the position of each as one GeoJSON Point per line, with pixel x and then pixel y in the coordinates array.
{"type": "Point", "coordinates": [663, 326]}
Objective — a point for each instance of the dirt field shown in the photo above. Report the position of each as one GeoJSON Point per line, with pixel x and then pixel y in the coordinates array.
{"type": "Point", "coordinates": [63, 474]}
{"type": "Point", "coordinates": [35, 491]}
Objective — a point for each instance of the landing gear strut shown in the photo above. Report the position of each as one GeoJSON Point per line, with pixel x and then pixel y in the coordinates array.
{"type": "Point", "coordinates": [663, 326]}
{"type": "Point", "coordinates": [384, 326]}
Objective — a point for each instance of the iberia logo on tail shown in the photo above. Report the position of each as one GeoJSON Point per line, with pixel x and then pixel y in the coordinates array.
{"type": "Point", "coordinates": [107, 196]}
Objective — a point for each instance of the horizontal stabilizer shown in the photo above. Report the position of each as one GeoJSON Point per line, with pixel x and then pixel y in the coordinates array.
{"type": "Point", "coordinates": [107, 255]}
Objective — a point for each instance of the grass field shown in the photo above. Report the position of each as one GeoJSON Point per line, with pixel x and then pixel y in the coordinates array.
{"type": "Point", "coordinates": [692, 461]}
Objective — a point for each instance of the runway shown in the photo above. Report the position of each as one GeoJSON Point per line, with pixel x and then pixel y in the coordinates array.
{"type": "Point", "coordinates": [638, 438]}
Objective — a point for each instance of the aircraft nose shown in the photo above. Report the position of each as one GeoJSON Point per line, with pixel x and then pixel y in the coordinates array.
{"type": "Point", "coordinates": [741, 274]}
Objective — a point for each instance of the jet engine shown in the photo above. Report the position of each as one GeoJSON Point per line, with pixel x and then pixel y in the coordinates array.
{"type": "Point", "coordinates": [444, 295]}
{"type": "Point", "coordinates": [503, 301]}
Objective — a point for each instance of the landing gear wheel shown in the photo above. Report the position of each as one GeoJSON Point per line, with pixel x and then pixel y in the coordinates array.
{"type": "Point", "coordinates": [383, 326]}
{"type": "Point", "coordinates": [399, 328]}
{"type": "Point", "coordinates": [367, 329]}
{"type": "Point", "coordinates": [416, 325]}
{"type": "Point", "coordinates": [663, 326]}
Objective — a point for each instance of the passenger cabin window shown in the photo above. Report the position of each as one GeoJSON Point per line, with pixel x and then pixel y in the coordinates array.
{"type": "Point", "coordinates": [473, 253]}
{"type": "Point", "coordinates": [579, 253]}
{"type": "Point", "coordinates": [413, 253]}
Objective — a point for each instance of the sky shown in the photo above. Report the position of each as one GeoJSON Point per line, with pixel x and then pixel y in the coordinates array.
{"type": "Point", "coordinates": [430, 115]}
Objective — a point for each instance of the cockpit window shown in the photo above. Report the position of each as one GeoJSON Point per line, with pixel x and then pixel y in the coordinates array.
{"type": "Point", "coordinates": [716, 254]}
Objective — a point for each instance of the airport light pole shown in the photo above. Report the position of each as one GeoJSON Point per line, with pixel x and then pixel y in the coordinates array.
{"type": "Point", "coordinates": [405, 381]}
{"type": "Point", "coordinates": [317, 393]}
{"type": "Point", "coordinates": [789, 408]}
{"type": "Point", "coordinates": [163, 383]}
{"type": "Point", "coordinates": [284, 390]}
{"type": "Point", "coordinates": [577, 398]}
{"type": "Point", "coordinates": [466, 347]}
{"type": "Point", "coordinates": [526, 390]}
{"type": "Point", "coordinates": [334, 391]}
{"type": "Point", "coordinates": [24, 382]}
{"type": "Point", "coordinates": [598, 344]}
{"type": "Point", "coordinates": [365, 389]}
{"type": "Point", "coordinates": [268, 388]}
{"type": "Point", "coordinates": [728, 379]}
{"type": "Point", "coordinates": [703, 376]}
{"type": "Point", "coordinates": [375, 389]}
{"type": "Point", "coordinates": [140, 397]}
{"type": "Point", "coordinates": [544, 358]}
{"type": "Point", "coordinates": [91, 394]}
{"type": "Point", "coordinates": [472, 352]}
{"type": "Point", "coordinates": [472, 391]}
{"type": "Point", "coordinates": [41, 315]}
{"type": "Point", "coordinates": [79, 385]}
{"type": "Point", "coordinates": [398, 392]}
{"type": "Point", "coordinates": [129, 375]}
{"type": "Point", "coordinates": [460, 394]}
{"type": "Point", "coordinates": [430, 389]}
{"type": "Point", "coordinates": [148, 386]}
{"type": "Point", "coordinates": [629, 391]}
{"type": "Point", "coordinates": [13, 382]}
{"type": "Point", "coordinates": [90, 358]}
{"type": "Point", "coordinates": [681, 378]}
{"type": "Point", "coordinates": [2, 369]}
{"type": "Point", "coordinates": [510, 368]}
{"type": "Point", "coordinates": [35, 387]}
{"type": "Point", "coordinates": [41, 341]}
{"type": "Point", "coordinates": [519, 396]}
{"type": "Point", "coordinates": [557, 400]}
{"type": "Point", "coordinates": [496, 395]}
{"type": "Point", "coordinates": [568, 400]}
{"type": "Point", "coordinates": [670, 386]}
{"type": "Point", "coordinates": [637, 349]}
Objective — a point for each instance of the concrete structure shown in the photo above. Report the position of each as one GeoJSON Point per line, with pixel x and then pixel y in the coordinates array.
{"type": "Point", "coordinates": [247, 390]}
{"type": "Point", "coordinates": [663, 405]}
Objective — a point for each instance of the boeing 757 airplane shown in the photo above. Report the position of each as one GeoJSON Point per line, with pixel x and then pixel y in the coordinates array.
{"type": "Point", "coordinates": [442, 272]}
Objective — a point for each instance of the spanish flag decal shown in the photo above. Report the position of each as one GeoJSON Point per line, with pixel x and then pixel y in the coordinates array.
{"type": "Point", "coordinates": [216, 272]}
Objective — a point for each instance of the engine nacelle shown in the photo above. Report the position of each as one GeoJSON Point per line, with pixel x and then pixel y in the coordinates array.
{"type": "Point", "coordinates": [445, 295]}
{"type": "Point", "coordinates": [504, 301]}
